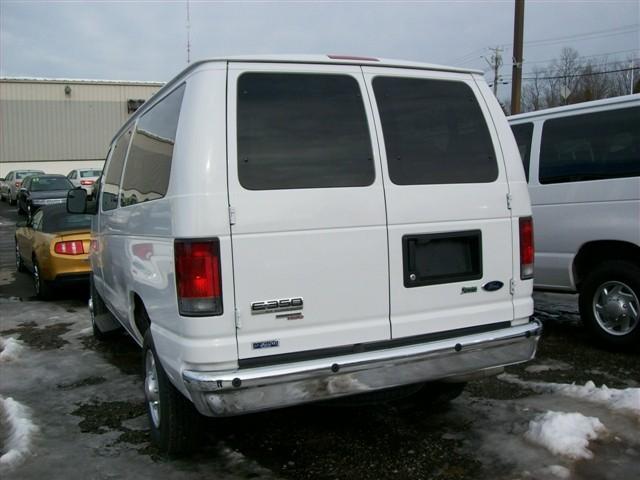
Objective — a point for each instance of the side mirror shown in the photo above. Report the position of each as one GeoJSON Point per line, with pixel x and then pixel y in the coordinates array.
{"type": "Point", "coordinates": [77, 200]}
{"type": "Point", "coordinates": [2, 179]}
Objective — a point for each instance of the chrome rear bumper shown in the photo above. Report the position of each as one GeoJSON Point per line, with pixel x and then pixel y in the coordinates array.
{"type": "Point", "coordinates": [249, 390]}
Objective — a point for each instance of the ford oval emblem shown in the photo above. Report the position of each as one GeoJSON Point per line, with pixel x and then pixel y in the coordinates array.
{"type": "Point", "coordinates": [493, 286]}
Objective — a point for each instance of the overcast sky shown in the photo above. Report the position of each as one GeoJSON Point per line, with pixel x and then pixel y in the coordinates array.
{"type": "Point", "coordinates": [137, 40]}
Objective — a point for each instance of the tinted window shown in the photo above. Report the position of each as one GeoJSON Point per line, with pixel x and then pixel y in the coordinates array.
{"type": "Point", "coordinates": [43, 184]}
{"type": "Point", "coordinates": [302, 131]}
{"type": "Point", "coordinates": [89, 173]}
{"type": "Point", "coordinates": [114, 172]}
{"type": "Point", "coordinates": [36, 222]}
{"type": "Point", "coordinates": [146, 175]}
{"type": "Point", "coordinates": [20, 175]}
{"type": "Point", "coordinates": [56, 219]}
{"type": "Point", "coordinates": [434, 132]}
{"type": "Point", "coordinates": [523, 133]}
{"type": "Point", "coordinates": [591, 146]}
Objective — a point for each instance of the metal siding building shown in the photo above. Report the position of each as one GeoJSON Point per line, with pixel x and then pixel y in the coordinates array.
{"type": "Point", "coordinates": [57, 125]}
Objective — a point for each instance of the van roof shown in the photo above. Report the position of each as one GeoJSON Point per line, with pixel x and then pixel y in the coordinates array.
{"type": "Point", "coordinates": [330, 59]}
{"type": "Point", "coordinates": [575, 107]}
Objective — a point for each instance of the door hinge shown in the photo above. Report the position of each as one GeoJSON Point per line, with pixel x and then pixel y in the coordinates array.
{"type": "Point", "coordinates": [512, 286]}
{"type": "Point", "coordinates": [238, 320]}
{"type": "Point", "coordinates": [508, 201]}
{"type": "Point", "coordinates": [232, 215]}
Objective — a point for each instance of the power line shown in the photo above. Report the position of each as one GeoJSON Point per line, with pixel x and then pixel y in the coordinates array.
{"type": "Point", "coordinates": [577, 74]}
{"type": "Point", "coordinates": [623, 30]}
{"type": "Point", "coordinates": [529, 62]}
{"type": "Point", "coordinates": [616, 62]}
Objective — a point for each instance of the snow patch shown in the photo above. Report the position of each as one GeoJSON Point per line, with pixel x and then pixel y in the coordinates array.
{"type": "Point", "coordinates": [623, 400]}
{"type": "Point", "coordinates": [545, 367]}
{"type": "Point", "coordinates": [10, 349]}
{"type": "Point", "coordinates": [557, 471]}
{"type": "Point", "coordinates": [20, 430]}
{"type": "Point", "coordinates": [566, 434]}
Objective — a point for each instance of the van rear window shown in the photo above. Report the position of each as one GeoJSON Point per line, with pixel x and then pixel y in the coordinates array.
{"type": "Point", "coordinates": [434, 132]}
{"type": "Point", "coordinates": [302, 131]}
{"type": "Point", "coordinates": [591, 146]}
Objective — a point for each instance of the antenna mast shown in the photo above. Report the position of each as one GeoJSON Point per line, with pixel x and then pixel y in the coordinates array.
{"type": "Point", "coordinates": [188, 34]}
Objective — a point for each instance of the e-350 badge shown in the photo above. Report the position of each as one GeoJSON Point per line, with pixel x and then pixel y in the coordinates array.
{"type": "Point", "coordinates": [273, 306]}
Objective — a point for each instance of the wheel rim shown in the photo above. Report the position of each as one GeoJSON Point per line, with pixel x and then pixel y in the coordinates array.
{"type": "Point", "coordinates": [151, 388]}
{"type": "Point", "coordinates": [18, 262]}
{"type": "Point", "coordinates": [616, 308]}
{"type": "Point", "coordinates": [36, 278]}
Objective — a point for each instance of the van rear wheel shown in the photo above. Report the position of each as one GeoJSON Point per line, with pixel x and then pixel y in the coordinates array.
{"type": "Point", "coordinates": [610, 303]}
{"type": "Point", "coordinates": [174, 421]}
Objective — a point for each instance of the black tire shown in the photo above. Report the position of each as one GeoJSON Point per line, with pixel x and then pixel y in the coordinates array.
{"type": "Point", "coordinates": [97, 307]}
{"type": "Point", "coordinates": [177, 428]}
{"type": "Point", "coordinates": [42, 287]}
{"type": "Point", "coordinates": [19, 261]}
{"type": "Point", "coordinates": [613, 274]}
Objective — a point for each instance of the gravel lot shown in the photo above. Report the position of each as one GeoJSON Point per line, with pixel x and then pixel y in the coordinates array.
{"type": "Point", "coordinates": [85, 403]}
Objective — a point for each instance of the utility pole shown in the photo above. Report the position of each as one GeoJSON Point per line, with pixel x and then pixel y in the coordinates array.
{"type": "Point", "coordinates": [518, 30]}
{"type": "Point", "coordinates": [188, 34]}
{"type": "Point", "coordinates": [631, 72]}
{"type": "Point", "coordinates": [495, 62]}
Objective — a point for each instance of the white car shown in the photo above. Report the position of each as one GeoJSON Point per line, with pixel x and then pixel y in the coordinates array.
{"type": "Point", "coordinates": [583, 165]}
{"type": "Point", "coordinates": [307, 228]}
{"type": "Point", "coordinates": [85, 178]}
{"type": "Point", "coordinates": [10, 185]}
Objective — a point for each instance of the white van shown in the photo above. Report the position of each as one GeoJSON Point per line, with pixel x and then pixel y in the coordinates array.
{"type": "Point", "coordinates": [280, 230]}
{"type": "Point", "coordinates": [583, 167]}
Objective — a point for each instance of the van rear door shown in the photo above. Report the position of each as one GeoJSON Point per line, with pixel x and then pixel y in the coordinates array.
{"type": "Point", "coordinates": [307, 204]}
{"type": "Point", "coordinates": [450, 236]}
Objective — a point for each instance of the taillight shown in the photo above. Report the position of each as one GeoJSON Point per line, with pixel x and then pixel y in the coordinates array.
{"type": "Point", "coordinates": [73, 247]}
{"type": "Point", "coordinates": [526, 248]}
{"type": "Point", "coordinates": [18, 184]}
{"type": "Point", "coordinates": [198, 278]}
{"type": "Point", "coordinates": [86, 182]}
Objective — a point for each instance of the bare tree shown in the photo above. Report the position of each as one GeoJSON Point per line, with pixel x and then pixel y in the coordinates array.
{"type": "Point", "coordinates": [571, 79]}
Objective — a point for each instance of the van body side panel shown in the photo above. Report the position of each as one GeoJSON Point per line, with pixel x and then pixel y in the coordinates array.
{"type": "Point", "coordinates": [198, 208]}
{"type": "Point", "coordinates": [324, 246]}
{"type": "Point", "coordinates": [520, 201]}
{"type": "Point", "coordinates": [428, 212]}
{"type": "Point", "coordinates": [583, 211]}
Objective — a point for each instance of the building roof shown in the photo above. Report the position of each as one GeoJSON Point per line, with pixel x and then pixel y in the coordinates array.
{"type": "Point", "coordinates": [79, 81]}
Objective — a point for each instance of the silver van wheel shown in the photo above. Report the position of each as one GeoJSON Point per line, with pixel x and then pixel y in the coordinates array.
{"type": "Point", "coordinates": [151, 390]}
{"type": "Point", "coordinates": [616, 308]}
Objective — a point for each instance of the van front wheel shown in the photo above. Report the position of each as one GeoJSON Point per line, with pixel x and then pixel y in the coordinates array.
{"type": "Point", "coordinates": [174, 421]}
{"type": "Point", "coordinates": [610, 303]}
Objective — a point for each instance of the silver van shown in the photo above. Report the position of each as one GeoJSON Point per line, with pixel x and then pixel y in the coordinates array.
{"type": "Point", "coordinates": [583, 167]}
{"type": "Point", "coordinates": [281, 230]}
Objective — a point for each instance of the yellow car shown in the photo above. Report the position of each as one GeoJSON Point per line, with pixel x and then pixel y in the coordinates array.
{"type": "Point", "coordinates": [54, 246]}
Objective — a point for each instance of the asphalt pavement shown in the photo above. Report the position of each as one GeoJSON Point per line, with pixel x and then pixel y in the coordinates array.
{"type": "Point", "coordinates": [84, 400]}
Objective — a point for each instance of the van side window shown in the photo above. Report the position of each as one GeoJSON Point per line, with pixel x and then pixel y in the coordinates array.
{"type": "Point", "coordinates": [434, 132]}
{"type": "Point", "coordinates": [146, 175]}
{"type": "Point", "coordinates": [302, 131]}
{"type": "Point", "coordinates": [114, 172]}
{"type": "Point", "coordinates": [523, 133]}
{"type": "Point", "coordinates": [591, 146]}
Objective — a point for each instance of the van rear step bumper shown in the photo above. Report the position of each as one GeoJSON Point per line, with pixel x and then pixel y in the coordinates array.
{"type": "Point", "coordinates": [221, 394]}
